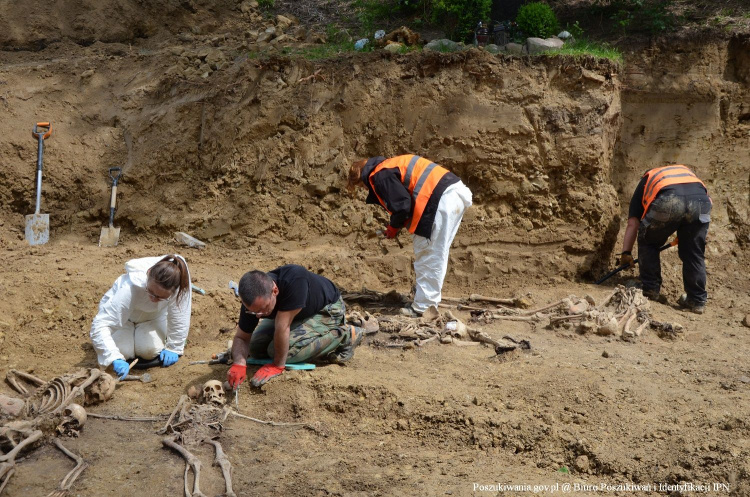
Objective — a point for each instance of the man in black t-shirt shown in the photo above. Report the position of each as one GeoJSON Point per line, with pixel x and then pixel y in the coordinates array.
{"type": "Point", "coordinates": [290, 315]}
{"type": "Point", "coordinates": [670, 199]}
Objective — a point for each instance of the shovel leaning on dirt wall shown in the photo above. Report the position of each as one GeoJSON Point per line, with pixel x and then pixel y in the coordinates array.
{"type": "Point", "coordinates": [37, 225]}
{"type": "Point", "coordinates": [110, 236]}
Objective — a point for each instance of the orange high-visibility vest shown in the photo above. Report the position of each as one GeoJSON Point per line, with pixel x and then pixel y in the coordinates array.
{"type": "Point", "coordinates": [659, 177]}
{"type": "Point", "coordinates": [420, 176]}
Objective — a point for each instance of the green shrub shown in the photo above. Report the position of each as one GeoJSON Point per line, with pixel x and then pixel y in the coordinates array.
{"type": "Point", "coordinates": [536, 19]}
{"type": "Point", "coordinates": [655, 16]}
{"type": "Point", "coordinates": [265, 3]}
{"type": "Point", "coordinates": [459, 18]}
{"type": "Point", "coordinates": [576, 30]}
{"type": "Point", "coordinates": [379, 14]}
{"type": "Point", "coordinates": [337, 35]}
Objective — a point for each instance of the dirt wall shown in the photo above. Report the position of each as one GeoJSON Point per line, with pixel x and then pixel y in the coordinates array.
{"type": "Point", "coordinates": [255, 151]}
{"type": "Point", "coordinates": [259, 149]}
{"type": "Point", "coordinates": [688, 102]}
{"type": "Point", "coordinates": [23, 27]}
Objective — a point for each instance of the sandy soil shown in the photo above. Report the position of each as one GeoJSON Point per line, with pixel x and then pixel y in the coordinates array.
{"type": "Point", "coordinates": [251, 158]}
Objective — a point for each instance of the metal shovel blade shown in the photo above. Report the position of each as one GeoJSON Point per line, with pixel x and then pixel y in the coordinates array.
{"type": "Point", "coordinates": [37, 229]}
{"type": "Point", "coordinates": [109, 237]}
{"type": "Point", "coordinates": [145, 378]}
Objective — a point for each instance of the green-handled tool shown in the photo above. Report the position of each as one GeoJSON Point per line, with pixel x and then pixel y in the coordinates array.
{"type": "Point", "coordinates": [301, 365]}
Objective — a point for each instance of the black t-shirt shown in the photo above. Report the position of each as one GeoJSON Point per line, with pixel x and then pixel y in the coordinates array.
{"type": "Point", "coordinates": [298, 289]}
{"type": "Point", "coordinates": [636, 202]}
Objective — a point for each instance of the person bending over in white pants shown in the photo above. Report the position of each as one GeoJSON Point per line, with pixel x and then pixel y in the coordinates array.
{"type": "Point", "coordinates": [145, 314]}
{"type": "Point", "coordinates": [426, 199]}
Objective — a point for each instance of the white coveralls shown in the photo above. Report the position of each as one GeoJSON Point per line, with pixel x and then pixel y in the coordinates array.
{"type": "Point", "coordinates": [128, 324]}
{"type": "Point", "coordinates": [431, 254]}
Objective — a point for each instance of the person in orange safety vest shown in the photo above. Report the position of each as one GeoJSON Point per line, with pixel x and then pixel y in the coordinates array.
{"type": "Point", "coordinates": [429, 202]}
{"type": "Point", "coordinates": [670, 199]}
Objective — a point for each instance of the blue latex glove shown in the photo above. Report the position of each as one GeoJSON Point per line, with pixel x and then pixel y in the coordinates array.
{"type": "Point", "coordinates": [168, 358]}
{"type": "Point", "coordinates": [121, 368]}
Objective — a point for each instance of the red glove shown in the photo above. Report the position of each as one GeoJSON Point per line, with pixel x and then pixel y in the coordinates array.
{"type": "Point", "coordinates": [391, 232]}
{"type": "Point", "coordinates": [265, 373]}
{"type": "Point", "coordinates": [237, 374]}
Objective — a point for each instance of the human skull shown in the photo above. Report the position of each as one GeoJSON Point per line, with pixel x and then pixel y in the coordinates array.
{"type": "Point", "coordinates": [457, 329]}
{"type": "Point", "coordinates": [74, 417]}
{"type": "Point", "coordinates": [101, 390]}
{"type": "Point", "coordinates": [368, 321]}
{"type": "Point", "coordinates": [213, 393]}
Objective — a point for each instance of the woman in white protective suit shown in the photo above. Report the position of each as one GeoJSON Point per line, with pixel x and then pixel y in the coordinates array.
{"type": "Point", "coordinates": [145, 314]}
{"type": "Point", "coordinates": [426, 199]}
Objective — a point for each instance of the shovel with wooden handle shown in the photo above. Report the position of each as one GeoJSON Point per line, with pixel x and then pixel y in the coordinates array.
{"type": "Point", "coordinates": [37, 225]}
{"type": "Point", "coordinates": [110, 235]}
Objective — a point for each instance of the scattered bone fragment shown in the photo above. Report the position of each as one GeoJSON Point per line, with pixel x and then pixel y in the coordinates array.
{"type": "Point", "coordinates": [444, 327]}
{"type": "Point", "coordinates": [608, 327]}
{"type": "Point", "coordinates": [623, 313]}
{"type": "Point", "coordinates": [667, 331]}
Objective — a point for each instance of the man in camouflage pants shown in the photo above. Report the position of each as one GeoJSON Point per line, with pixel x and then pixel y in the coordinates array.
{"type": "Point", "coordinates": [290, 315]}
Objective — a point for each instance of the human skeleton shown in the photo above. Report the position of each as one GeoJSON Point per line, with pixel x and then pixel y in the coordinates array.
{"type": "Point", "coordinates": [48, 410]}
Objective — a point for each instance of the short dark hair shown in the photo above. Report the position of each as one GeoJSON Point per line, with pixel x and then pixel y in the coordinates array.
{"type": "Point", "coordinates": [255, 284]}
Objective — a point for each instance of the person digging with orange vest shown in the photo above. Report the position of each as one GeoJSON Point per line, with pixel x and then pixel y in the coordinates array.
{"type": "Point", "coordinates": [426, 199]}
{"type": "Point", "coordinates": [670, 199]}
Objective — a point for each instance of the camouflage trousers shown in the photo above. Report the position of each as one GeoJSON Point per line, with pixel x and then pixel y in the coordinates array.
{"type": "Point", "coordinates": [309, 339]}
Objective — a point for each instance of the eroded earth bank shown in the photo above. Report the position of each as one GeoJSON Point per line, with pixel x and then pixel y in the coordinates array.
{"type": "Point", "coordinates": [247, 149]}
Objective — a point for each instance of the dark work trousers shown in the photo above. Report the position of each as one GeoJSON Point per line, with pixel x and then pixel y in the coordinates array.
{"type": "Point", "coordinates": [689, 216]}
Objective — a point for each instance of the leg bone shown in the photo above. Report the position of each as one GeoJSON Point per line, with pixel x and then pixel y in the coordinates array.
{"type": "Point", "coordinates": [640, 329]}
{"type": "Point", "coordinates": [8, 461]}
{"type": "Point", "coordinates": [626, 330]}
{"type": "Point", "coordinates": [70, 478]}
{"type": "Point", "coordinates": [545, 308]}
{"type": "Point", "coordinates": [226, 467]}
{"type": "Point", "coordinates": [14, 374]}
{"type": "Point", "coordinates": [33, 437]}
{"type": "Point", "coordinates": [479, 298]}
{"type": "Point", "coordinates": [515, 318]}
{"type": "Point", "coordinates": [558, 319]}
{"type": "Point", "coordinates": [193, 461]}
{"type": "Point", "coordinates": [6, 470]}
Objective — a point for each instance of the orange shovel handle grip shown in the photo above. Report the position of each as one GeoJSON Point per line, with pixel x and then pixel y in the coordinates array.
{"type": "Point", "coordinates": [37, 133]}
